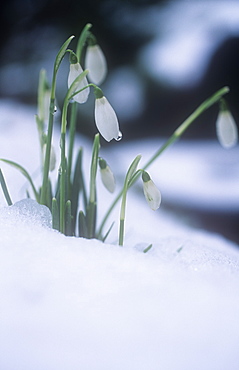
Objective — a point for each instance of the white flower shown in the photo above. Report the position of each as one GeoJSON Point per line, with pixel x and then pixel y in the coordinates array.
{"type": "Point", "coordinates": [107, 176]}
{"type": "Point", "coordinates": [151, 192]}
{"type": "Point", "coordinates": [106, 119]}
{"type": "Point", "coordinates": [96, 64]}
{"type": "Point", "coordinates": [226, 129]}
{"type": "Point", "coordinates": [75, 71]}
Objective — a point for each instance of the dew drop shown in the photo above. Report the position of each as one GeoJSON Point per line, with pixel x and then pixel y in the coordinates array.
{"type": "Point", "coordinates": [55, 109]}
{"type": "Point", "coordinates": [119, 137]}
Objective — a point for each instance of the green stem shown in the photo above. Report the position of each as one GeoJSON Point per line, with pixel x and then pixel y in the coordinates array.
{"type": "Point", "coordinates": [184, 126]}
{"type": "Point", "coordinates": [58, 60]}
{"type": "Point", "coordinates": [176, 135]}
{"type": "Point", "coordinates": [130, 173]}
{"type": "Point", "coordinates": [62, 184]}
{"type": "Point", "coordinates": [82, 39]}
{"type": "Point", "coordinates": [91, 211]}
{"type": "Point", "coordinates": [71, 141]}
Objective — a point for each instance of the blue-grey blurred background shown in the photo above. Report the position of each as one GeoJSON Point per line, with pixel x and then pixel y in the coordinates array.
{"type": "Point", "coordinates": [164, 59]}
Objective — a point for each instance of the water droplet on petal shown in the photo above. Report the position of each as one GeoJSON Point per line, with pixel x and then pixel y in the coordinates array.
{"type": "Point", "coordinates": [55, 109]}
{"type": "Point", "coordinates": [119, 137]}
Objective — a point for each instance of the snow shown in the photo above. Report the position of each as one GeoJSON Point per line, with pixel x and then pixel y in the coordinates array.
{"type": "Point", "coordinates": [71, 303]}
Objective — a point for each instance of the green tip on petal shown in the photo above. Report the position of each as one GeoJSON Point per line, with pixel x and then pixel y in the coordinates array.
{"type": "Point", "coordinates": [73, 58]}
{"type": "Point", "coordinates": [145, 176]}
{"type": "Point", "coordinates": [98, 92]}
{"type": "Point", "coordinates": [102, 163]}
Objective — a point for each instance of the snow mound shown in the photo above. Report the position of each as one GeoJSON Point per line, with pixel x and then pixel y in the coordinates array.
{"type": "Point", "coordinates": [72, 303]}
{"type": "Point", "coordinates": [27, 211]}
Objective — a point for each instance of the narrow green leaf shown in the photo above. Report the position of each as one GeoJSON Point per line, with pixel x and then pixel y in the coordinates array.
{"type": "Point", "coordinates": [148, 248]}
{"type": "Point", "coordinates": [83, 232]}
{"type": "Point", "coordinates": [68, 219]}
{"type": "Point", "coordinates": [5, 189]}
{"type": "Point", "coordinates": [76, 185]}
{"type": "Point", "coordinates": [82, 39]}
{"type": "Point", "coordinates": [106, 235]}
{"type": "Point", "coordinates": [55, 215]}
{"type": "Point", "coordinates": [61, 53]}
{"type": "Point", "coordinates": [132, 169]}
{"type": "Point", "coordinates": [24, 173]}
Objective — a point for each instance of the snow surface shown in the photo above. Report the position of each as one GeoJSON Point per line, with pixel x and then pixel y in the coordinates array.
{"type": "Point", "coordinates": [71, 303]}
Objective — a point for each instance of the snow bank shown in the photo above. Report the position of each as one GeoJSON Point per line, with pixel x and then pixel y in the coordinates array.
{"type": "Point", "coordinates": [71, 303]}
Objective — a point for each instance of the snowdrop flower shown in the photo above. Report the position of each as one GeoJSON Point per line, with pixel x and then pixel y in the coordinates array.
{"type": "Point", "coordinates": [105, 117]}
{"type": "Point", "coordinates": [96, 63]}
{"type": "Point", "coordinates": [151, 192]}
{"type": "Point", "coordinates": [107, 175]}
{"type": "Point", "coordinates": [226, 128]}
{"type": "Point", "coordinates": [75, 71]}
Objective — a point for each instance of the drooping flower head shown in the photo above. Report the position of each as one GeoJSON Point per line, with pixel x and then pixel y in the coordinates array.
{"type": "Point", "coordinates": [151, 192]}
{"type": "Point", "coordinates": [95, 61]}
{"type": "Point", "coordinates": [107, 175]}
{"type": "Point", "coordinates": [105, 117]}
{"type": "Point", "coordinates": [226, 127]}
{"type": "Point", "coordinates": [75, 71]}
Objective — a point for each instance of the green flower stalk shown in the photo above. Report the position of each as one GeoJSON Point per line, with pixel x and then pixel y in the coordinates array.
{"type": "Point", "coordinates": [45, 182]}
{"type": "Point", "coordinates": [52, 164]}
{"type": "Point", "coordinates": [107, 175]}
{"type": "Point", "coordinates": [131, 173]}
{"type": "Point", "coordinates": [226, 127]}
{"type": "Point", "coordinates": [151, 192]}
{"type": "Point", "coordinates": [105, 117]}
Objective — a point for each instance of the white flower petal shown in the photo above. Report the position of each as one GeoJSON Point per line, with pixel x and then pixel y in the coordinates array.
{"type": "Point", "coordinates": [152, 194]}
{"type": "Point", "coordinates": [226, 129]}
{"type": "Point", "coordinates": [106, 119]}
{"type": "Point", "coordinates": [108, 179]}
{"type": "Point", "coordinates": [96, 64]}
{"type": "Point", "coordinates": [75, 71]}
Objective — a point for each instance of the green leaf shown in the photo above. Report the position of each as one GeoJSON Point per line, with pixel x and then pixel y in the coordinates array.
{"type": "Point", "coordinates": [132, 169]}
{"type": "Point", "coordinates": [106, 235]}
{"type": "Point", "coordinates": [24, 173]}
{"type": "Point", "coordinates": [83, 231]}
{"type": "Point", "coordinates": [68, 219]}
{"type": "Point", "coordinates": [61, 53]}
{"type": "Point", "coordinates": [55, 215]}
{"type": "Point", "coordinates": [148, 248]}
{"type": "Point", "coordinates": [77, 185]}
{"type": "Point", "coordinates": [5, 189]}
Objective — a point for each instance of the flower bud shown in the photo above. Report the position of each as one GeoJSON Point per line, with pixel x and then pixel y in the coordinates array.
{"type": "Point", "coordinates": [105, 117]}
{"type": "Point", "coordinates": [151, 192]}
{"type": "Point", "coordinates": [226, 127]}
{"type": "Point", "coordinates": [107, 175]}
{"type": "Point", "coordinates": [75, 71]}
{"type": "Point", "coordinates": [95, 62]}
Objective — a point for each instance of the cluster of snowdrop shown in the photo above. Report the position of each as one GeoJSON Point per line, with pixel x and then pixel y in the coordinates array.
{"type": "Point", "coordinates": [70, 189]}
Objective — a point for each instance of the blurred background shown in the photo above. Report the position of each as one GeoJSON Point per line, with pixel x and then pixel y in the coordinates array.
{"type": "Point", "coordinates": [164, 59]}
